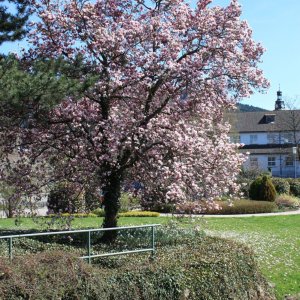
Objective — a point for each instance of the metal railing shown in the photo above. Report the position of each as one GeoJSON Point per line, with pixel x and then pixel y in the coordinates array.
{"type": "Point", "coordinates": [89, 255]}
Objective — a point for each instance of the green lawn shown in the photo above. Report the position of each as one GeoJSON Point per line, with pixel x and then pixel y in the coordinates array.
{"type": "Point", "coordinates": [275, 241]}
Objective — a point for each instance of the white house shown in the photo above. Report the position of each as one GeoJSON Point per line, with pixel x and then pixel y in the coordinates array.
{"type": "Point", "coordinates": [271, 137]}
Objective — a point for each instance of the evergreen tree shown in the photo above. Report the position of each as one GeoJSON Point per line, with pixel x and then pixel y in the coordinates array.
{"type": "Point", "coordinates": [12, 26]}
{"type": "Point", "coordinates": [29, 89]}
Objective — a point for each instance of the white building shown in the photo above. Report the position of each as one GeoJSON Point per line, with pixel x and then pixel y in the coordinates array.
{"type": "Point", "coordinates": [271, 137]}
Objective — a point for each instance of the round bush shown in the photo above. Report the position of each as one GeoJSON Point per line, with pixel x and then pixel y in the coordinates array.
{"type": "Point", "coordinates": [268, 192]}
{"type": "Point", "coordinates": [254, 190]}
{"type": "Point", "coordinates": [65, 198]}
{"type": "Point", "coordinates": [294, 187]}
{"type": "Point", "coordinates": [281, 185]}
{"type": "Point", "coordinates": [262, 189]}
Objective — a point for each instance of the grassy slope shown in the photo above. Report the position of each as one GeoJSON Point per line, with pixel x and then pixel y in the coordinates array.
{"type": "Point", "coordinates": [275, 240]}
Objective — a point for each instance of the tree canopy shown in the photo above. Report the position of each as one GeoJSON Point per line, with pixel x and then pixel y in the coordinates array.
{"type": "Point", "coordinates": [163, 75]}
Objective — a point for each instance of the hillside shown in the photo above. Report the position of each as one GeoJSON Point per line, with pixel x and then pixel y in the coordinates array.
{"type": "Point", "coordinates": [249, 108]}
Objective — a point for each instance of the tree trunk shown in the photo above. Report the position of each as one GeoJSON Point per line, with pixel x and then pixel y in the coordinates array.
{"type": "Point", "coordinates": [10, 210]}
{"type": "Point", "coordinates": [111, 202]}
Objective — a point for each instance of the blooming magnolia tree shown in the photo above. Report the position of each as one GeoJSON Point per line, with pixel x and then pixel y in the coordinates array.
{"type": "Point", "coordinates": [165, 75]}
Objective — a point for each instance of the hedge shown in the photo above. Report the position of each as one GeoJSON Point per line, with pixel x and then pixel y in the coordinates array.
{"type": "Point", "coordinates": [202, 268]}
{"type": "Point", "coordinates": [138, 213]}
{"type": "Point", "coordinates": [244, 206]}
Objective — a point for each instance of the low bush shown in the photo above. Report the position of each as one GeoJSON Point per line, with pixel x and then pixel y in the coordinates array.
{"type": "Point", "coordinates": [65, 198]}
{"type": "Point", "coordinates": [281, 185]}
{"type": "Point", "coordinates": [200, 268]}
{"type": "Point", "coordinates": [159, 207]}
{"type": "Point", "coordinates": [75, 215]}
{"type": "Point", "coordinates": [243, 206]}
{"type": "Point", "coordinates": [128, 202]}
{"type": "Point", "coordinates": [285, 200]}
{"type": "Point", "coordinates": [138, 213]}
{"type": "Point", "coordinates": [99, 212]}
{"type": "Point", "coordinates": [294, 186]}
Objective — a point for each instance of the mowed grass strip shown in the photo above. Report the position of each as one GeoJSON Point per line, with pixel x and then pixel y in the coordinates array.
{"type": "Point", "coordinates": [275, 240]}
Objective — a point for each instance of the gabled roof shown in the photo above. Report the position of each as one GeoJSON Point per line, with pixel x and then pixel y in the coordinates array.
{"type": "Point", "coordinates": [264, 121]}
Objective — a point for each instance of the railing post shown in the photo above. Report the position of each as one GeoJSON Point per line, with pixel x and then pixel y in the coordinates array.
{"type": "Point", "coordinates": [89, 247]}
{"type": "Point", "coordinates": [153, 241]}
{"type": "Point", "coordinates": [10, 245]}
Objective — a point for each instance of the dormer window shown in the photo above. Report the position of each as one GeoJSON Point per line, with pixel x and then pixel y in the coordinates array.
{"type": "Point", "coordinates": [269, 118]}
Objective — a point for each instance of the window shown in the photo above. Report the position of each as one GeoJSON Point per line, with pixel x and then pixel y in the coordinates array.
{"type": "Point", "coordinates": [253, 139]}
{"type": "Point", "coordinates": [286, 138]}
{"type": "Point", "coordinates": [269, 118]}
{"type": "Point", "coordinates": [272, 138]}
{"type": "Point", "coordinates": [271, 161]}
{"type": "Point", "coordinates": [253, 162]}
{"type": "Point", "coordinates": [289, 161]}
{"type": "Point", "coordinates": [235, 139]}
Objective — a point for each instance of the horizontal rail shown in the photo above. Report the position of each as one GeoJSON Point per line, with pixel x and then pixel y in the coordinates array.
{"type": "Point", "coordinates": [75, 231]}
{"type": "Point", "coordinates": [117, 253]}
{"type": "Point", "coordinates": [88, 231]}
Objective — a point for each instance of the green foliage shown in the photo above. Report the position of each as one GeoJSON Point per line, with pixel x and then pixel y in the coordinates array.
{"type": "Point", "coordinates": [286, 200]}
{"type": "Point", "coordinates": [263, 189]}
{"type": "Point", "coordinates": [99, 212]}
{"type": "Point", "coordinates": [12, 25]}
{"type": "Point", "coordinates": [65, 198]}
{"type": "Point", "coordinates": [75, 215]}
{"type": "Point", "coordinates": [138, 213]}
{"type": "Point", "coordinates": [35, 88]}
{"type": "Point", "coordinates": [268, 192]}
{"type": "Point", "coordinates": [159, 207]}
{"type": "Point", "coordinates": [281, 185]}
{"type": "Point", "coordinates": [128, 202]}
{"type": "Point", "coordinates": [194, 268]}
{"type": "Point", "coordinates": [254, 189]}
{"type": "Point", "coordinates": [245, 178]}
{"type": "Point", "coordinates": [9, 203]}
{"type": "Point", "coordinates": [294, 186]}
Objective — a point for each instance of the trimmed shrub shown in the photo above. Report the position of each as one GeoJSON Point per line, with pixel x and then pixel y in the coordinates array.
{"type": "Point", "coordinates": [294, 186]}
{"type": "Point", "coordinates": [245, 178]}
{"type": "Point", "coordinates": [159, 207]}
{"type": "Point", "coordinates": [138, 213]}
{"type": "Point", "coordinates": [268, 192]}
{"type": "Point", "coordinates": [281, 185]}
{"type": "Point", "coordinates": [285, 200]}
{"type": "Point", "coordinates": [243, 207]}
{"type": "Point", "coordinates": [254, 189]}
{"type": "Point", "coordinates": [262, 189]}
{"type": "Point", "coordinates": [75, 215]}
{"type": "Point", "coordinates": [202, 268]}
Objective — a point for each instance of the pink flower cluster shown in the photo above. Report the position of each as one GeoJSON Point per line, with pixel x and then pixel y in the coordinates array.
{"type": "Point", "coordinates": [166, 74]}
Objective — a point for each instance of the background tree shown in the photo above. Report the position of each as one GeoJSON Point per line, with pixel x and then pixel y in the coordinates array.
{"type": "Point", "coordinates": [12, 25]}
{"type": "Point", "coordinates": [134, 120]}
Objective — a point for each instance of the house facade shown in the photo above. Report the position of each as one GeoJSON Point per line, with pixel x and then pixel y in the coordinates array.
{"type": "Point", "coordinates": [271, 138]}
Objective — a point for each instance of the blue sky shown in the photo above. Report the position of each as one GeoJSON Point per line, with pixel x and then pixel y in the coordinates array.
{"type": "Point", "coordinates": [276, 24]}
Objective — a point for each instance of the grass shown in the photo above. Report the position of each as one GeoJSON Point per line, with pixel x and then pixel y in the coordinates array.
{"type": "Point", "coordinates": [275, 241]}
